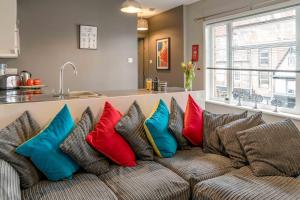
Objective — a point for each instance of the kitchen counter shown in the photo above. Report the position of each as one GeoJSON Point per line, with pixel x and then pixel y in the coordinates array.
{"type": "Point", "coordinates": [116, 93]}
{"type": "Point", "coordinates": [25, 96]}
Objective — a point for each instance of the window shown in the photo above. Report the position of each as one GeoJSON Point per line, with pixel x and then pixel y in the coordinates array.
{"type": "Point", "coordinates": [256, 54]}
{"type": "Point", "coordinates": [264, 80]}
{"type": "Point", "coordinates": [242, 56]}
{"type": "Point", "coordinates": [237, 76]}
{"type": "Point", "coordinates": [264, 58]}
{"type": "Point", "coordinates": [264, 63]}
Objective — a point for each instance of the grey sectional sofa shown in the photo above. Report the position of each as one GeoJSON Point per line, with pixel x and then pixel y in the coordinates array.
{"type": "Point", "coordinates": [242, 184]}
{"type": "Point", "coordinates": [195, 166]}
{"type": "Point", "coordinates": [190, 174]}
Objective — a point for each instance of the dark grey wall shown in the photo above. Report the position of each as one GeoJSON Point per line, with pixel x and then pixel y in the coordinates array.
{"type": "Point", "coordinates": [49, 37]}
{"type": "Point", "coordinates": [168, 24]}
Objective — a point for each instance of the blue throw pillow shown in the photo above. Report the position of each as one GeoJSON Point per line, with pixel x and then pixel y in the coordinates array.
{"type": "Point", "coordinates": [44, 151]}
{"type": "Point", "coordinates": [156, 126]}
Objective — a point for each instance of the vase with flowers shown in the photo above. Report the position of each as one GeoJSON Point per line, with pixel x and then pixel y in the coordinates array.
{"type": "Point", "coordinates": [189, 75]}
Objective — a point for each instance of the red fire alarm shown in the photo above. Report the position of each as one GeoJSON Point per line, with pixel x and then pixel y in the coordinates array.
{"type": "Point", "coordinates": [195, 53]}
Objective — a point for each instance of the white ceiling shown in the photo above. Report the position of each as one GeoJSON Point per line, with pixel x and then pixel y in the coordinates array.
{"type": "Point", "coordinates": [161, 5]}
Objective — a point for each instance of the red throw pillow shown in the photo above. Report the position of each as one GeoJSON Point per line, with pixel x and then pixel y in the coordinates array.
{"type": "Point", "coordinates": [193, 122]}
{"type": "Point", "coordinates": [106, 140]}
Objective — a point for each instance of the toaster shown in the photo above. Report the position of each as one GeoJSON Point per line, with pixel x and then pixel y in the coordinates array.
{"type": "Point", "coordinates": [9, 82]}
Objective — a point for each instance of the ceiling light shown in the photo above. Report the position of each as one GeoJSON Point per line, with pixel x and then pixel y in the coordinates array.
{"type": "Point", "coordinates": [131, 6]}
{"type": "Point", "coordinates": [142, 24]}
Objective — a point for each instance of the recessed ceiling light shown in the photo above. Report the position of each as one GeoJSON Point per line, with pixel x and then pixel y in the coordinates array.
{"type": "Point", "coordinates": [131, 6]}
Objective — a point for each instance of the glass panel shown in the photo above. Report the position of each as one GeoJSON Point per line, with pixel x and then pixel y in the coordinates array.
{"type": "Point", "coordinates": [243, 81]}
{"type": "Point", "coordinates": [291, 88]}
{"type": "Point", "coordinates": [258, 43]}
{"type": "Point", "coordinates": [220, 82]}
{"type": "Point", "coordinates": [266, 42]}
{"type": "Point", "coordinates": [220, 45]}
{"type": "Point", "coordinates": [269, 29]}
{"type": "Point", "coordinates": [220, 57]}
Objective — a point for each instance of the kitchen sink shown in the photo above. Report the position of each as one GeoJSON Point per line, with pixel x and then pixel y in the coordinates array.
{"type": "Point", "coordinates": [78, 94]}
{"type": "Point", "coordinates": [83, 94]}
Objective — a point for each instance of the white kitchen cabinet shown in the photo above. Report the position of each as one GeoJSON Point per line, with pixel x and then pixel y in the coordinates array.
{"type": "Point", "coordinates": [9, 33]}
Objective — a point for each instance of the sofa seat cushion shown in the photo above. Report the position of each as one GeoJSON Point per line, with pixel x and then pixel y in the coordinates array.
{"type": "Point", "coordinates": [148, 181]}
{"type": "Point", "coordinates": [82, 186]}
{"type": "Point", "coordinates": [242, 184]}
{"type": "Point", "coordinates": [9, 182]}
{"type": "Point", "coordinates": [195, 166]}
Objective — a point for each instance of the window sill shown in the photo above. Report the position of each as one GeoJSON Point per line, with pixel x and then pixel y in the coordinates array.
{"type": "Point", "coordinates": [264, 111]}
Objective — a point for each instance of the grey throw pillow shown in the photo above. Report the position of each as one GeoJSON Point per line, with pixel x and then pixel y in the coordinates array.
{"type": "Point", "coordinates": [176, 123]}
{"type": "Point", "coordinates": [131, 128]}
{"type": "Point", "coordinates": [229, 140]}
{"type": "Point", "coordinates": [80, 151]}
{"type": "Point", "coordinates": [211, 141]}
{"type": "Point", "coordinates": [272, 149]}
{"type": "Point", "coordinates": [15, 134]}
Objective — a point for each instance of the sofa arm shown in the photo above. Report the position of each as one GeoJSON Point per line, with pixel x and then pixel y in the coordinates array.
{"type": "Point", "coordinates": [10, 188]}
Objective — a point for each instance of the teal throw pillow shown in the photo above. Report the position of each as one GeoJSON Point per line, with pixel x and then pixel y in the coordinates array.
{"type": "Point", "coordinates": [44, 151]}
{"type": "Point", "coordinates": [156, 126]}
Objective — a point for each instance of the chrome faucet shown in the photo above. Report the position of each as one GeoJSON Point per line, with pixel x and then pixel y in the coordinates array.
{"type": "Point", "coordinates": [61, 76]}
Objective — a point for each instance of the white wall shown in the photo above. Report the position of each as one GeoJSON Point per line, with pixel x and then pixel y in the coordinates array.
{"type": "Point", "coordinates": [193, 30]}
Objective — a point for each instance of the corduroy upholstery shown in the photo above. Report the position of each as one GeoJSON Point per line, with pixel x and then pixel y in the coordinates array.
{"type": "Point", "coordinates": [243, 185]}
{"type": "Point", "coordinates": [195, 166]}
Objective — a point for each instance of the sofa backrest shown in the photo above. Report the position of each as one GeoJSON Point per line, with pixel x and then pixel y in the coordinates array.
{"type": "Point", "coordinates": [43, 112]}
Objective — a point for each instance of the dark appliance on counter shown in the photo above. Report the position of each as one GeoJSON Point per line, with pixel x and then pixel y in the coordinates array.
{"type": "Point", "coordinates": [155, 84]}
{"type": "Point", "coordinates": [8, 82]}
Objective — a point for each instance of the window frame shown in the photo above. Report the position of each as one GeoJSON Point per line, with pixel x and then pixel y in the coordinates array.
{"type": "Point", "coordinates": [228, 21]}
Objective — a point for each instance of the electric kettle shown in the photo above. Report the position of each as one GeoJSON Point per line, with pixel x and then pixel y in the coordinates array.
{"type": "Point", "coordinates": [24, 76]}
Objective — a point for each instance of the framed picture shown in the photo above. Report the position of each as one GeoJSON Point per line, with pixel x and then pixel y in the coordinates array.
{"type": "Point", "coordinates": [163, 54]}
{"type": "Point", "coordinates": [88, 37]}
